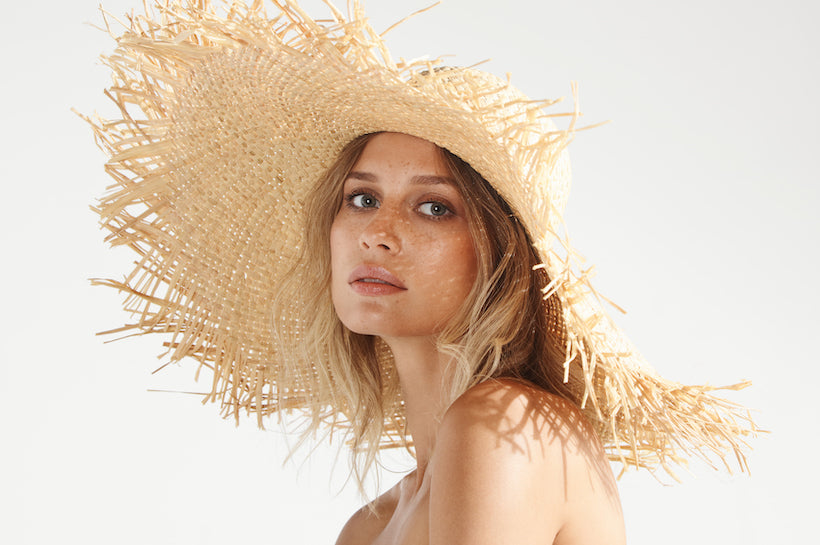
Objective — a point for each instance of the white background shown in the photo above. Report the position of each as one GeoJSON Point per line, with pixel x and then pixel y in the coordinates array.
{"type": "Point", "coordinates": [697, 205]}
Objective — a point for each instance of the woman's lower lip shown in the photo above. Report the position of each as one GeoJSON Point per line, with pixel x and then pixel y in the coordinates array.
{"type": "Point", "coordinates": [374, 288]}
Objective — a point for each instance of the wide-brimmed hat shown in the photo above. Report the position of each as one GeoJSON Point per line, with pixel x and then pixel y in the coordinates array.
{"type": "Point", "coordinates": [228, 117]}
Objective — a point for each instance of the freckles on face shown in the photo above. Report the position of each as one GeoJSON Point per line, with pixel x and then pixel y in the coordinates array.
{"type": "Point", "coordinates": [402, 256]}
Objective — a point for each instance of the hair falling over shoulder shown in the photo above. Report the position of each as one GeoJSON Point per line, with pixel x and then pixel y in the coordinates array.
{"type": "Point", "coordinates": [507, 328]}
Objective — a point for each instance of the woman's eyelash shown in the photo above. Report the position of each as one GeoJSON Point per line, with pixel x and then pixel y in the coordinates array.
{"type": "Point", "coordinates": [436, 209]}
{"type": "Point", "coordinates": [353, 199]}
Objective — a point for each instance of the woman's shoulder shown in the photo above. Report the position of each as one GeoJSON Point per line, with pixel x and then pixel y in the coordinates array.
{"type": "Point", "coordinates": [519, 411]}
{"type": "Point", "coordinates": [512, 421]}
{"type": "Point", "coordinates": [512, 394]}
{"type": "Point", "coordinates": [507, 446]}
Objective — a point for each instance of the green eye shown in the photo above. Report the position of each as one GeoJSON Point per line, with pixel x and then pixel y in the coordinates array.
{"type": "Point", "coordinates": [434, 209]}
{"type": "Point", "coordinates": [364, 200]}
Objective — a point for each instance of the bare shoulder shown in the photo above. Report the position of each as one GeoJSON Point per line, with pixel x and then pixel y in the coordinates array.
{"type": "Point", "coordinates": [519, 411]}
{"type": "Point", "coordinates": [368, 522]}
{"type": "Point", "coordinates": [514, 463]}
{"type": "Point", "coordinates": [521, 418]}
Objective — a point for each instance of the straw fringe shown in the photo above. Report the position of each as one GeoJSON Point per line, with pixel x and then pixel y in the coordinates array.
{"type": "Point", "coordinates": [643, 420]}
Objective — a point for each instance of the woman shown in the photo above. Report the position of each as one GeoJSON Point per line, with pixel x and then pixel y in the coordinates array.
{"type": "Point", "coordinates": [510, 461]}
{"type": "Point", "coordinates": [377, 245]}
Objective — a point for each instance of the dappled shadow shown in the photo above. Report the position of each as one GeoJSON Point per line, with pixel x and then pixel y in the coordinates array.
{"type": "Point", "coordinates": [537, 424]}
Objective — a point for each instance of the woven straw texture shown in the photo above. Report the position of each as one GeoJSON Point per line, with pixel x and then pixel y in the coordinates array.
{"type": "Point", "coordinates": [229, 114]}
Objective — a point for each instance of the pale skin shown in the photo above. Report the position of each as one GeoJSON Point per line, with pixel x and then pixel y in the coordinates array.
{"type": "Point", "coordinates": [506, 463]}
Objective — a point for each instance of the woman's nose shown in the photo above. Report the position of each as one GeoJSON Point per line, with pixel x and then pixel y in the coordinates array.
{"type": "Point", "coordinates": [382, 232]}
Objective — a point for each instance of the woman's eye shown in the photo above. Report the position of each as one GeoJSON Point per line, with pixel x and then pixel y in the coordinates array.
{"type": "Point", "coordinates": [363, 200]}
{"type": "Point", "coordinates": [435, 209]}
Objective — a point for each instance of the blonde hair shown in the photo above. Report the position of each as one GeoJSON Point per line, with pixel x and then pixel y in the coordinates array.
{"type": "Point", "coordinates": [505, 327]}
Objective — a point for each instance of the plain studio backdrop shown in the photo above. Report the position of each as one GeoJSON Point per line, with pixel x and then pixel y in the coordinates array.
{"type": "Point", "coordinates": [697, 206]}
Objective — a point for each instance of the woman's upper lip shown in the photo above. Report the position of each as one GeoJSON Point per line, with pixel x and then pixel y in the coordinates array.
{"type": "Point", "coordinates": [374, 272]}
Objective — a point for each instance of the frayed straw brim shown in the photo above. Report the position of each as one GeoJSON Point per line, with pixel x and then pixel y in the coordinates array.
{"type": "Point", "coordinates": [228, 119]}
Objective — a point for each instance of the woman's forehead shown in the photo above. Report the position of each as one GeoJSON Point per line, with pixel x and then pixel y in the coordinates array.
{"type": "Point", "coordinates": [397, 154]}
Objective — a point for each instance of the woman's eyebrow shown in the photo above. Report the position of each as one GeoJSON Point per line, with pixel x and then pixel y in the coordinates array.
{"type": "Point", "coordinates": [364, 176]}
{"type": "Point", "coordinates": [432, 179]}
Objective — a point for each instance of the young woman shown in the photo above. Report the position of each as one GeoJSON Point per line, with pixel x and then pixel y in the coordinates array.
{"type": "Point", "coordinates": [511, 460]}
{"type": "Point", "coordinates": [377, 245]}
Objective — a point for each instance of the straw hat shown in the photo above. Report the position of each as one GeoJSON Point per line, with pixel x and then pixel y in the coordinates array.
{"type": "Point", "coordinates": [228, 117]}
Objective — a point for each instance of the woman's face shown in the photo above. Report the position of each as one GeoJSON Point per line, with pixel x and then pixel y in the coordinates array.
{"type": "Point", "coordinates": [402, 256]}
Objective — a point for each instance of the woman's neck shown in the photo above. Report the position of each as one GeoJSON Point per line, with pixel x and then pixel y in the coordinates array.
{"type": "Point", "coordinates": [421, 369]}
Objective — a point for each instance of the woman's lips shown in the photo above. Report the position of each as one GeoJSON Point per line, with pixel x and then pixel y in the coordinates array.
{"type": "Point", "coordinates": [373, 280]}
